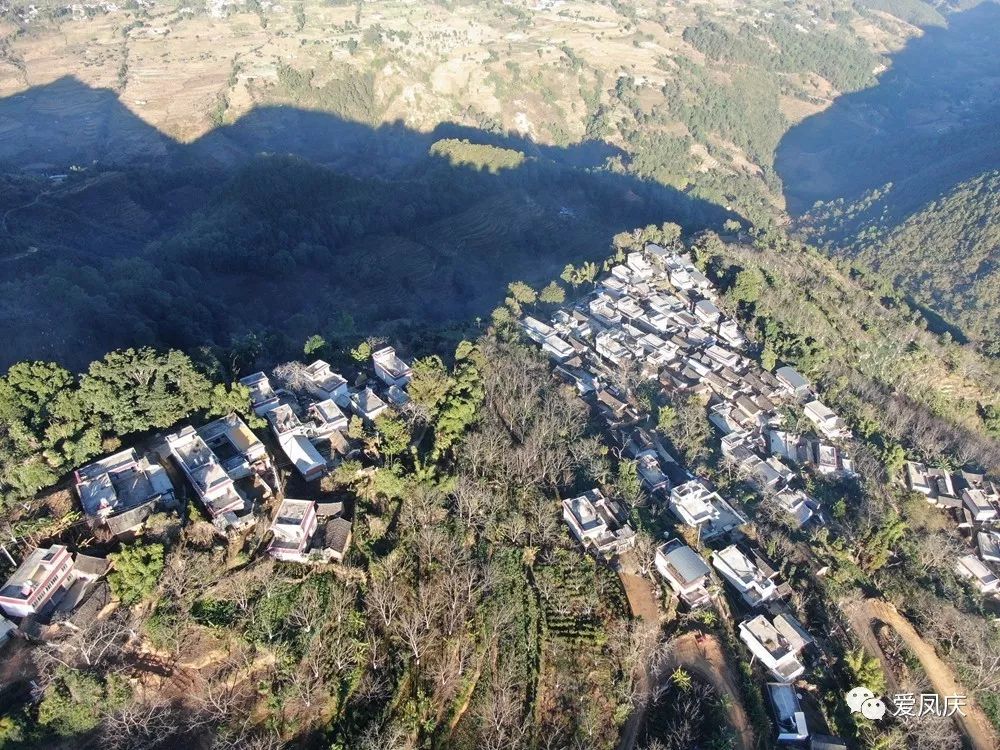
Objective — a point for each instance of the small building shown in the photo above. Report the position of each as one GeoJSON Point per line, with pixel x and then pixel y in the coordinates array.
{"type": "Point", "coordinates": [750, 577]}
{"type": "Point", "coordinates": [323, 383]}
{"type": "Point", "coordinates": [213, 485]}
{"type": "Point", "coordinates": [235, 445]}
{"type": "Point", "coordinates": [796, 504]}
{"type": "Point", "coordinates": [792, 382]}
{"type": "Point", "coordinates": [826, 421]}
{"type": "Point", "coordinates": [979, 573]}
{"type": "Point", "coordinates": [558, 349]}
{"type": "Point", "coordinates": [979, 505]}
{"type": "Point", "coordinates": [367, 405]}
{"type": "Point", "coordinates": [309, 532]}
{"type": "Point", "coordinates": [789, 718]}
{"type": "Point", "coordinates": [303, 454]}
{"type": "Point", "coordinates": [43, 577]}
{"type": "Point", "coordinates": [685, 571]}
{"type": "Point", "coordinates": [326, 417]}
{"type": "Point", "coordinates": [989, 546]}
{"type": "Point", "coordinates": [390, 369]}
{"type": "Point", "coordinates": [598, 522]}
{"type": "Point", "coordinates": [293, 528]}
{"type": "Point", "coordinates": [695, 505]}
{"type": "Point", "coordinates": [933, 483]}
{"type": "Point", "coordinates": [777, 643]}
{"type": "Point", "coordinates": [7, 630]}
{"type": "Point", "coordinates": [262, 395]}
{"type": "Point", "coordinates": [123, 490]}
{"type": "Point", "coordinates": [651, 472]}
{"type": "Point", "coordinates": [535, 329]}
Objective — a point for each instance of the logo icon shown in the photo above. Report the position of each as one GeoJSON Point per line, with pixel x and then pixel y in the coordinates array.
{"type": "Point", "coordinates": [864, 701]}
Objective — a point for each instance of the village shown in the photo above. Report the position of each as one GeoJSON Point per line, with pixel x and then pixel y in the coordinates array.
{"type": "Point", "coordinates": [653, 323]}
{"type": "Point", "coordinates": [231, 475]}
{"type": "Point", "coordinates": [654, 319]}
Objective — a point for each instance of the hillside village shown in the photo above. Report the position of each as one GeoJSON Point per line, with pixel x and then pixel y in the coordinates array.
{"type": "Point", "coordinates": [653, 318]}
{"type": "Point", "coordinates": [653, 330]}
{"type": "Point", "coordinates": [228, 472]}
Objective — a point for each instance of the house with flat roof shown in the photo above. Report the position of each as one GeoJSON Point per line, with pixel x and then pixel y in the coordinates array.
{"type": "Point", "coordinates": [309, 532]}
{"type": "Point", "coordinates": [322, 382]}
{"type": "Point", "coordinates": [933, 483]}
{"type": "Point", "coordinates": [789, 719]}
{"type": "Point", "coordinates": [235, 444]}
{"type": "Point", "coordinates": [598, 522]}
{"type": "Point", "coordinates": [262, 395]}
{"type": "Point", "coordinates": [753, 580]}
{"type": "Point", "coordinates": [640, 267]}
{"type": "Point", "coordinates": [979, 574]}
{"type": "Point", "coordinates": [292, 530]}
{"type": "Point", "coordinates": [535, 329]}
{"type": "Point", "coordinates": [326, 417]}
{"type": "Point", "coordinates": [981, 506]}
{"type": "Point", "coordinates": [367, 405]}
{"type": "Point", "coordinates": [796, 504]}
{"type": "Point", "coordinates": [390, 369]}
{"type": "Point", "coordinates": [651, 472]}
{"type": "Point", "coordinates": [608, 344]}
{"type": "Point", "coordinates": [44, 575]}
{"type": "Point", "coordinates": [214, 486]}
{"type": "Point", "coordinates": [792, 382]}
{"type": "Point", "coordinates": [777, 643]}
{"type": "Point", "coordinates": [826, 421]}
{"type": "Point", "coordinates": [695, 505]}
{"type": "Point", "coordinates": [557, 348]}
{"type": "Point", "coordinates": [123, 490]}
{"type": "Point", "coordinates": [685, 571]}
{"type": "Point", "coordinates": [729, 331]}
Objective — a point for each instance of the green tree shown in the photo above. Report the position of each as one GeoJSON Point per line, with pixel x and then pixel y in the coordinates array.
{"type": "Point", "coordinates": [137, 570]}
{"type": "Point", "coordinates": [136, 389]}
{"type": "Point", "coordinates": [681, 678]}
{"type": "Point", "coordinates": [314, 345]}
{"type": "Point", "coordinates": [394, 435]}
{"type": "Point", "coordinates": [362, 352]}
{"type": "Point", "coordinates": [430, 383]}
{"type": "Point", "coordinates": [552, 294]}
{"type": "Point", "coordinates": [866, 671]}
{"type": "Point", "coordinates": [670, 233]}
{"type": "Point", "coordinates": [768, 359]}
{"type": "Point", "coordinates": [666, 419]}
{"type": "Point", "coordinates": [629, 483]}
{"type": "Point", "coordinates": [748, 286]}
{"type": "Point", "coordinates": [235, 398]}
{"type": "Point", "coordinates": [522, 293]}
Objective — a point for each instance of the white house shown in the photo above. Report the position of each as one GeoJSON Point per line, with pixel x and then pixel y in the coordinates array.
{"type": "Point", "coordinates": [44, 573]}
{"type": "Point", "coordinates": [754, 583]}
{"type": "Point", "coordinates": [367, 405]}
{"type": "Point", "coordinates": [651, 472]}
{"type": "Point", "coordinates": [777, 643]}
{"type": "Point", "coordinates": [322, 382]}
{"type": "Point", "coordinates": [293, 528]}
{"type": "Point", "coordinates": [982, 577]}
{"type": "Point", "coordinates": [825, 420]}
{"type": "Point", "coordinates": [599, 522]}
{"type": "Point", "coordinates": [327, 417]}
{"type": "Point", "coordinates": [695, 505]}
{"type": "Point", "coordinates": [685, 571]}
{"type": "Point", "coordinates": [792, 382]}
{"type": "Point", "coordinates": [979, 505]}
{"type": "Point", "coordinates": [213, 485]}
{"type": "Point", "coordinates": [390, 368]}
{"type": "Point", "coordinates": [123, 487]}
{"type": "Point", "coordinates": [262, 395]}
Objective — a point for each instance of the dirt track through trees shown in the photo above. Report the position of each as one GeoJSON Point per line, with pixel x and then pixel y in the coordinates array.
{"type": "Point", "coordinates": [974, 725]}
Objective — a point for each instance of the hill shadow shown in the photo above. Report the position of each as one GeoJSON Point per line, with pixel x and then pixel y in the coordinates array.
{"type": "Point", "coordinates": [932, 121]}
{"type": "Point", "coordinates": [286, 223]}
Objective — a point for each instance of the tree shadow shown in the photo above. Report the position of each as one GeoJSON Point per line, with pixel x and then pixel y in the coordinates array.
{"type": "Point", "coordinates": [932, 121]}
{"type": "Point", "coordinates": [285, 223]}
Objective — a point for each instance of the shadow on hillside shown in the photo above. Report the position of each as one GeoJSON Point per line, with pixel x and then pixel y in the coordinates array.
{"type": "Point", "coordinates": [933, 120]}
{"type": "Point", "coordinates": [151, 241]}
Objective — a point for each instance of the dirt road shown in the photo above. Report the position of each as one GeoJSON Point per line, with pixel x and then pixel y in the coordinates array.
{"type": "Point", "coordinates": [702, 656]}
{"type": "Point", "coordinates": [974, 725]}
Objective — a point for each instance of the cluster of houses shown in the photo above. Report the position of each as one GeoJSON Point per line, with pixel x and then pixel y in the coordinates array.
{"type": "Point", "coordinates": [974, 503]}
{"type": "Point", "coordinates": [654, 319]}
{"type": "Point", "coordinates": [230, 471]}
